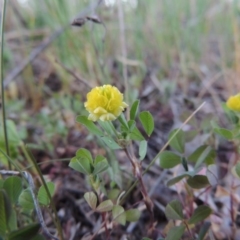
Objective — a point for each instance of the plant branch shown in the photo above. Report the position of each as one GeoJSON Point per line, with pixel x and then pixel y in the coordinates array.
{"type": "Point", "coordinates": [2, 83]}
{"type": "Point", "coordinates": [163, 148]}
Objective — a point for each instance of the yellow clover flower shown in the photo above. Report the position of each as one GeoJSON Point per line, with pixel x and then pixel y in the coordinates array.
{"type": "Point", "coordinates": [104, 103]}
{"type": "Point", "coordinates": [233, 103]}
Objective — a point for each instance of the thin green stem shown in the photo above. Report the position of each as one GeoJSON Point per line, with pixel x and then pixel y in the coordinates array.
{"type": "Point", "coordinates": [2, 86]}
{"type": "Point", "coordinates": [163, 148]}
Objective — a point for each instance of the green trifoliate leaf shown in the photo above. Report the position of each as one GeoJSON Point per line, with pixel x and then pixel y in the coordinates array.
{"type": "Point", "coordinates": [84, 153]}
{"type": "Point", "coordinates": [81, 164]}
{"type": "Point", "coordinates": [100, 166]}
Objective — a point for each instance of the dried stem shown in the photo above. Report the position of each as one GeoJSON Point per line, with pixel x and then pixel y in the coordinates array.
{"type": "Point", "coordinates": [123, 50]}
{"type": "Point", "coordinates": [137, 171]}
{"type": "Point", "coordinates": [32, 188]}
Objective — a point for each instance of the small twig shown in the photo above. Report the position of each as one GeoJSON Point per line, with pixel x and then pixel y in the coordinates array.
{"type": "Point", "coordinates": [32, 188]}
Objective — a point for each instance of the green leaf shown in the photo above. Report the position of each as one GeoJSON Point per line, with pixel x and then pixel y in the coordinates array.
{"type": "Point", "coordinates": [175, 233]}
{"type": "Point", "coordinates": [177, 179]}
{"type": "Point", "coordinates": [13, 188]}
{"type": "Point", "coordinates": [147, 122]}
{"type": "Point", "coordinates": [134, 109]}
{"type": "Point", "coordinates": [105, 206]}
{"type": "Point", "coordinates": [42, 193]}
{"type": "Point", "coordinates": [81, 165]}
{"type": "Point", "coordinates": [25, 200]}
{"type": "Point", "coordinates": [24, 233]}
{"type": "Point", "coordinates": [84, 153]}
{"type": "Point", "coordinates": [119, 215]}
{"type": "Point", "coordinates": [113, 194]}
{"type": "Point", "coordinates": [106, 126]}
{"type": "Point", "coordinates": [136, 135]}
{"type": "Point", "coordinates": [89, 125]}
{"type": "Point", "coordinates": [123, 121]}
{"type": "Point", "coordinates": [203, 231]}
{"type": "Point", "coordinates": [111, 143]}
{"type": "Point", "coordinates": [133, 215]}
{"type": "Point", "coordinates": [12, 222]}
{"type": "Point", "coordinates": [203, 153]}
{"type": "Point", "coordinates": [169, 159]}
{"type": "Point", "coordinates": [131, 125]}
{"type": "Point", "coordinates": [100, 166]}
{"type": "Point", "coordinates": [5, 212]}
{"type": "Point", "coordinates": [91, 199]}
{"type": "Point", "coordinates": [202, 158]}
{"type": "Point", "coordinates": [225, 133]}
{"type": "Point", "coordinates": [174, 210]}
{"type": "Point", "coordinates": [199, 214]}
{"type": "Point", "coordinates": [177, 140]}
{"type": "Point", "coordinates": [237, 168]}
{"type": "Point", "coordinates": [198, 181]}
{"type": "Point", "coordinates": [142, 149]}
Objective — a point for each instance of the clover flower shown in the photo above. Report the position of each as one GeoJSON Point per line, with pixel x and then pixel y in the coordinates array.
{"type": "Point", "coordinates": [104, 103]}
{"type": "Point", "coordinates": [233, 103]}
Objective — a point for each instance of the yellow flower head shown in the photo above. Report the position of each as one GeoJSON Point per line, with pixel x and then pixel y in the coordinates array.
{"type": "Point", "coordinates": [233, 103]}
{"type": "Point", "coordinates": [104, 103]}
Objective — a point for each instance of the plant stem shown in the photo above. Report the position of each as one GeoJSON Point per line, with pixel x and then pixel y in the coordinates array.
{"type": "Point", "coordinates": [137, 170]}
{"type": "Point", "coordinates": [48, 193]}
{"type": "Point", "coordinates": [2, 87]}
{"type": "Point", "coordinates": [103, 214]}
{"type": "Point", "coordinates": [123, 51]}
{"type": "Point", "coordinates": [163, 148]}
